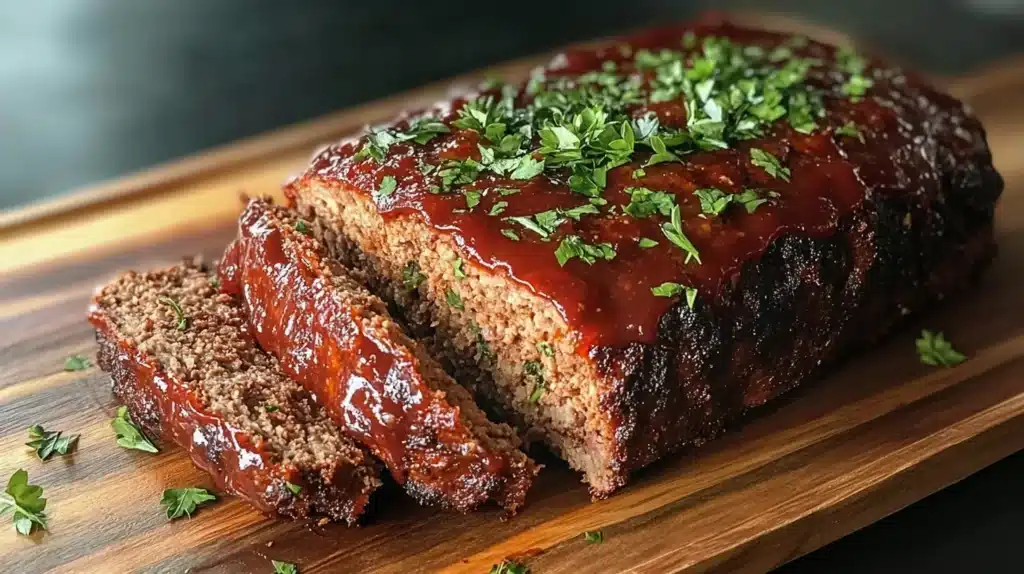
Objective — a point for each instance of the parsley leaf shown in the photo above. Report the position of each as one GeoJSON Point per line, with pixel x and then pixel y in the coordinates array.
{"type": "Point", "coordinates": [935, 350]}
{"type": "Point", "coordinates": [411, 276]}
{"type": "Point", "coordinates": [546, 349]}
{"type": "Point", "coordinates": [454, 299]}
{"type": "Point", "coordinates": [527, 168]}
{"type": "Point", "coordinates": [76, 363]}
{"type": "Point", "coordinates": [472, 198]}
{"type": "Point", "coordinates": [295, 489]}
{"type": "Point", "coordinates": [178, 312]}
{"type": "Point", "coordinates": [26, 503]}
{"type": "Point", "coordinates": [509, 567]}
{"type": "Point", "coordinates": [673, 230]}
{"type": "Point", "coordinates": [46, 443]}
{"type": "Point", "coordinates": [661, 153]}
{"type": "Point", "coordinates": [388, 185]}
{"type": "Point", "coordinates": [533, 371]}
{"type": "Point", "coordinates": [128, 435]}
{"type": "Point", "coordinates": [713, 201]}
{"type": "Point", "coordinates": [498, 208]}
{"type": "Point", "coordinates": [302, 227]}
{"type": "Point", "coordinates": [850, 129]}
{"type": "Point", "coordinates": [460, 272]}
{"type": "Point", "coordinates": [593, 536]}
{"type": "Point", "coordinates": [574, 247]}
{"type": "Point", "coordinates": [646, 243]}
{"type": "Point", "coordinates": [644, 203]}
{"type": "Point", "coordinates": [183, 501]}
{"type": "Point", "coordinates": [271, 408]}
{"type": "Point", "coordinates": [669, 289]}
{"type": "Point", "coordinates": [769, 164]}
{"type": "Point", "coordinates": [510, 234]}
{"type": "Point", "coordinates": [284, 567]}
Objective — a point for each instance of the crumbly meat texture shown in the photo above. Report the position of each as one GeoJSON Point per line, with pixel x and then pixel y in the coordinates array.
{"type": "Point", "coordinates": [872, 207]}
{"type": "Point", "coordinates": [380, 386]}
{"type": "Point", "coordinates": [181, 359]}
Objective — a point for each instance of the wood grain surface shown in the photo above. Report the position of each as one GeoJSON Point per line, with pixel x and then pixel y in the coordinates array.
{"type": "Point", "coordinates": [879, 433]}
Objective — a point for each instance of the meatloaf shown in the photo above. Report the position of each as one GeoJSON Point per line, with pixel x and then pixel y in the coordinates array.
{"type": "Point", "coordinates": [381, 387]}
{"type": "Point", "coordinates": [654, 234]}
{"type": "Point", "coordinates": [182, 361]}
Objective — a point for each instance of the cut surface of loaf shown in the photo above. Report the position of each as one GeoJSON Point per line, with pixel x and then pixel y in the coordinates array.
{"type": "Point", "coordinates": [182, 361]}
{"type": "Point", "coordinates": [655, 234]}
{"type": "Point", "coordinates": [380, 386]}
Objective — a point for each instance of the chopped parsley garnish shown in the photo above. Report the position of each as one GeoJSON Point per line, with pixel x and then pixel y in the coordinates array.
{"type": "Point", "coordinates": [714, 201]}
{"type": "Point", "coordinates": [302, 227]}
{"type": "Point", "coordinates": [498, 208]}
{"type": "Point", "coordinates": [593, 536]}
{"type": "Point", "coordinates": [935, 350]}
{"type": "Point", "coordinates": [284, 567]}
{"type": "Point", "coordinates": [673, 230]}
{"type": "Point", "coordinates": [669, 289]}
{"type": "Point", "coordinates": [411, 276]}
{"type": "Point", "coordinates": [546, 349]}
{"type": "Point", "coordinates": [646, 243]}
{"type": "Point", "coordinates": [47, 443]}
{"type": "Point", "coordinates": [527, 168]}
{"type": "Point", "coordinates": [271, 408]}
{"type": "Point", "coordinates": [128, 435]}
{"type": "Point", "coordinates": [533, 371]}
{"type": "Point", "coordinates": [77, 363]}
{"type": "Point", "coordinates": [545, 222]}
{"type": "Point", "coordinates": [510, 234]}
{"type": "Point", "coordinates": [769, 163]}
{"type": "Point", "coordinates": [855, 65]}
{"type": "Point", "coordinates": [509, 567]}
{"type": "Point", "coordinates": [638, 173]}
{"type": "Point", "coordinates": [183, 501]}
{"type": "Point", "coordinates": [179, 313]}
{"type": "Point", "coordinates": [472, 198]}
{"type": "Point", "coordinates": [850, 129]}
{"type": "Point", "coordinates": [295, 489]}
{"type": "Point", "coordinates": [460, 272]}
{"type": "Point", "coordinates": [388, 185]}
{"type": "Point", "coordinates": [25, 502]}
{"type": "Point", "coordinates": [507, 191]}
{"type": "Point", "coordinates": [644, 203]}
{"type": "Point", "coordinates": [574, 247]}
{"type": "Point", "coordinates": [454, 299]}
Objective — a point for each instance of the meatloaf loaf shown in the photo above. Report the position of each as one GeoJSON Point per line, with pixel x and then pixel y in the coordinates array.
{"type": "Point", "coordinates": [182, 361]}
{"type": "Point", "coordinates": [653, 235]}
{"type": "Point", "coordinates": [381, 387]}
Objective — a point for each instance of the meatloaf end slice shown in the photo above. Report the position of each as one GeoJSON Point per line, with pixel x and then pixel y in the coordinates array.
{"type": "Point", "coordinates": [381, 387]}
{"type": "Point", "coordinates": [182, 361]}
{"type": "Point", "coordinates": [545, 290]}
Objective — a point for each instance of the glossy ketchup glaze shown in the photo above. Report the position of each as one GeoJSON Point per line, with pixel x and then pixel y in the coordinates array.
{"type": "Point", "coordinates": [372, 385]}
{"type": "Point", "coordinates": [610, 303]}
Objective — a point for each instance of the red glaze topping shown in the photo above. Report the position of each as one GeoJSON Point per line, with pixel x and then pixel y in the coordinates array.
{"type": "Point", "coordinates": [609, 302]}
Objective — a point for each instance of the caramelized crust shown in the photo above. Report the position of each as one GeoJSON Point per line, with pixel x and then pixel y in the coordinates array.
{"type": "Point", "coordinates": [385, 392]}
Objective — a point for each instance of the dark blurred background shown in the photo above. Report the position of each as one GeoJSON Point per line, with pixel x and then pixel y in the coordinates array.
{"type": "Point", "coordinates": [92, 89]}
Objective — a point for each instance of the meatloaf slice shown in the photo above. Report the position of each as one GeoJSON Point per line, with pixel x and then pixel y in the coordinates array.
{"type": "Point", "coordinates": [659, 232]}
{"type": "Point", "coordinates": [181, 359]}
{"type": "Point", "coordinates": [382, 388]}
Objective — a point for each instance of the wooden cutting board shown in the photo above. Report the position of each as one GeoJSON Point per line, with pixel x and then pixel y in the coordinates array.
{"type": "Point", "coordinates": [881, 432]}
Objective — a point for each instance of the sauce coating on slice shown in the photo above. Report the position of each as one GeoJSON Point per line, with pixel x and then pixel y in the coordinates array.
{"type": "Point", "coordinates": [748, 135]}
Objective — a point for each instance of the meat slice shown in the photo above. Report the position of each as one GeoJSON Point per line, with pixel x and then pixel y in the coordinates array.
{"type": "Point", "coordinates": [182, 361]}
{"type": "Point", "coordinates": [658, 232]}
{"type": "Point", "coordinates": [337, 339]}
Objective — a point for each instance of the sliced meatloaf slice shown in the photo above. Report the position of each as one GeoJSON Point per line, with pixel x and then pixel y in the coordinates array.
{"type": "Point", "coordinates": [658, 232]}
{"type": "Point", "coordinates": [339, 341]}
{"type": "Point", "coordinates": [182, 361]}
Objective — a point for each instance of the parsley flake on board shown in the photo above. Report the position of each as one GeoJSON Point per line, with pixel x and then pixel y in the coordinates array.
{"type": "Point", "coordinates": [77, 363]}
{"type": "Point", "coordinates": [935, 350]}
{"type": "Point", "coordinates": [574, 247]}
{"type": "Point", "coordinates": [179, 313]}
{"type": "Point", "coordinates": [508, 566]}
{"type": "Point", "coordinates": [183, 501]}
{"type": "Point", "coordinates": [128, 435]}
{"type": "Point", "coordinates": [669, 289]}
{"type": "Point", "coordinates": [593, 536]}
{"type": "Point", "coordinates": [284, 567]}
{"type": "Point", "coordinates": [769, 163]}
{"type": "Point", "coordinates": [25, 502]}
{"type": "Point", "coordinates": [47, 443]}
{"type": "Point", "coordinates": [454, 299]}
{"type": "Point", "coordinates": [673, 230]}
